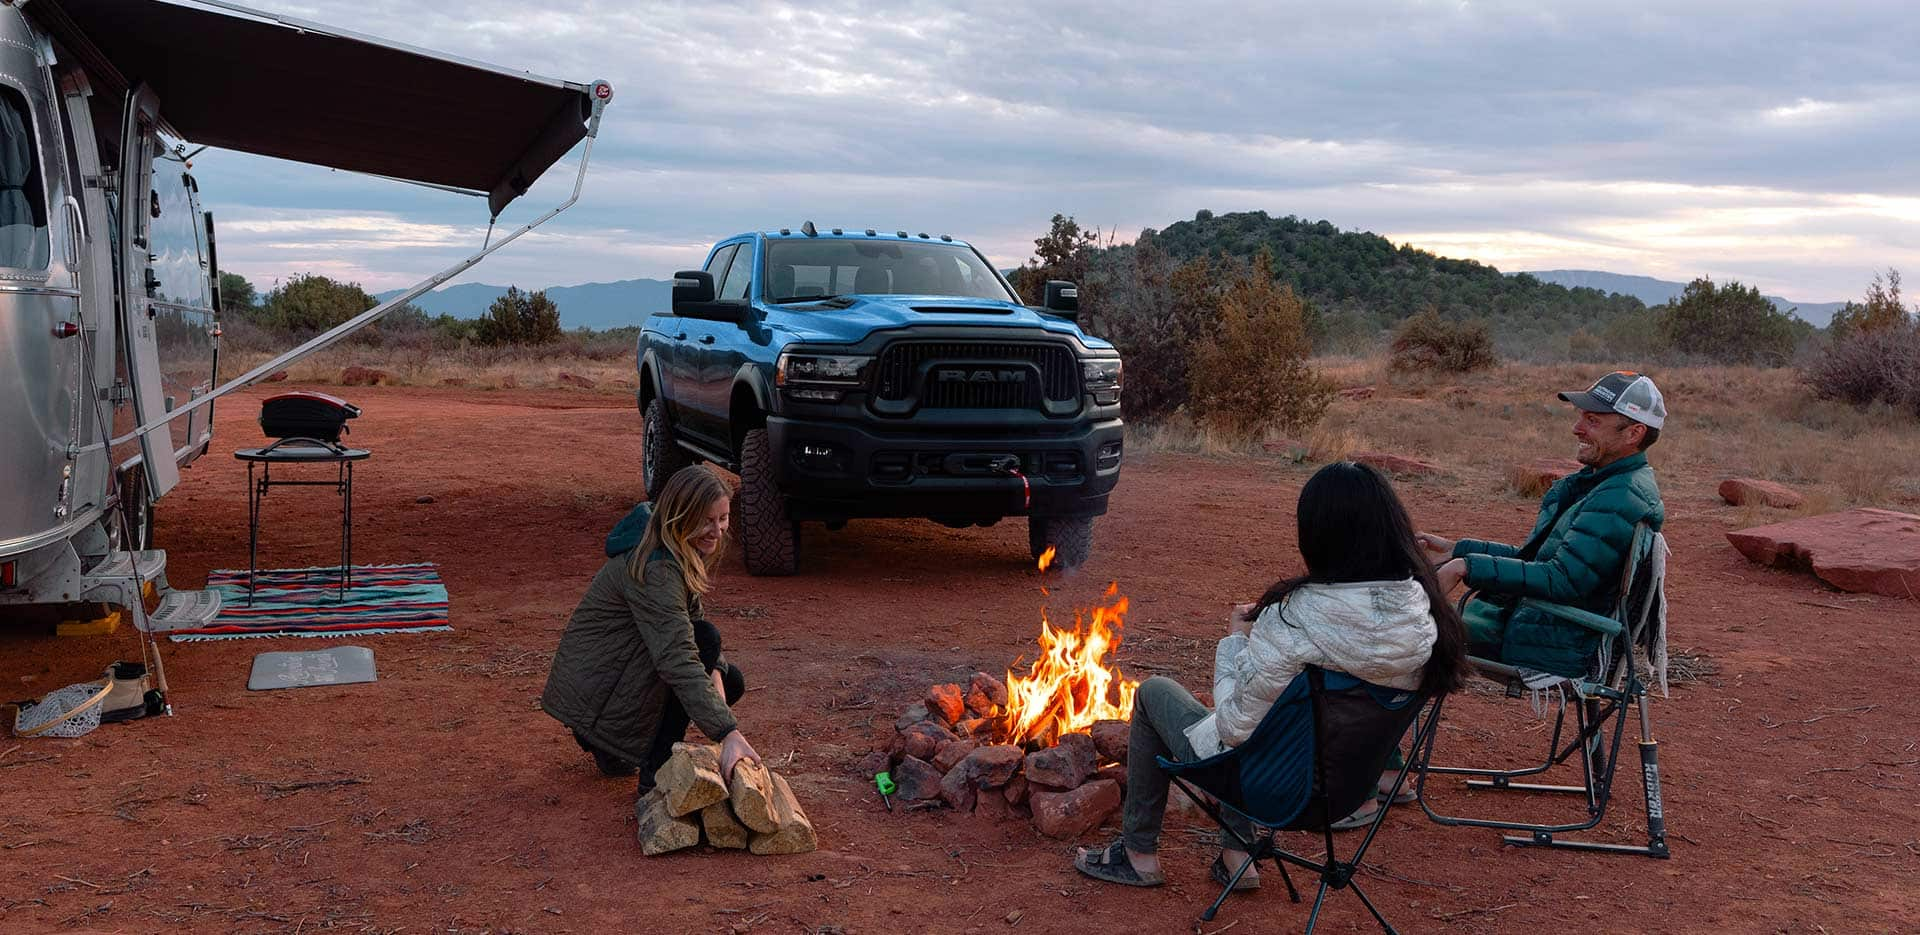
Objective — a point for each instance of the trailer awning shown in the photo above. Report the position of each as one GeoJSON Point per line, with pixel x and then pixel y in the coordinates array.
{"type": "Point", "coordinates": [262, 83]}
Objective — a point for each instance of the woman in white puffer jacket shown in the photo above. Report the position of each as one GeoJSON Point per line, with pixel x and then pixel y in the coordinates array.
{"type": "Point", "coordinates": [1369, 605]}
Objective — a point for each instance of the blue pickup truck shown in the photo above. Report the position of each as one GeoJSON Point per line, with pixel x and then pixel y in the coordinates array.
{"type": "Point", "coordinates": [860, 373]}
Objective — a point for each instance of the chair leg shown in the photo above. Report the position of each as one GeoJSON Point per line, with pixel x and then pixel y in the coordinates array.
{"type": "Point", "coordinates": [1225, 891]}
{"type": "Point", "coordinates": [1287, 878]}
{"type": "Point", "coordinates": [1377, 917]}
{"type": "Point", "coordinates": [1313, 918]}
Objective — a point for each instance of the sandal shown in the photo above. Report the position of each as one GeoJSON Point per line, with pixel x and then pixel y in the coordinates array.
{"type": "Point", "coordinates": [1361, 817]}
{"type": "Point", "coordinates": [1111, 865]}
{"type": "Point", "coordinates": [1221, 875]}
{"type": "Point", "coordinates": [1407, 796]}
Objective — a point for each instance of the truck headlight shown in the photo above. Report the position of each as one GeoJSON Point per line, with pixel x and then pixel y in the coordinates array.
{"type": "Point", "coordinates": [1102, 378]}
{"type": "Point", "coordinates": [821, 369]}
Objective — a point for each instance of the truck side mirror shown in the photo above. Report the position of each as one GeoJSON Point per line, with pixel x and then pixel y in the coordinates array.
{"type": "Point", "coordinates": [1062, 298]}
{"type": "Point", "coordinates": [691, 287]}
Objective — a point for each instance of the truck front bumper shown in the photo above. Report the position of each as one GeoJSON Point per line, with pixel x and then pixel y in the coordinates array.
{"type": "Point", "coordinates": [842, 470]}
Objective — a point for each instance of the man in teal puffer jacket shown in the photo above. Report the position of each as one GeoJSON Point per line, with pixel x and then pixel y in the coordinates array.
{"type": "Point", "coordinates": [1579, 542]}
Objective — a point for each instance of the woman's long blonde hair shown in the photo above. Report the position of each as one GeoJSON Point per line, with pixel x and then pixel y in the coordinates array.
{"type": "Point", "coordinates": [677, 514]}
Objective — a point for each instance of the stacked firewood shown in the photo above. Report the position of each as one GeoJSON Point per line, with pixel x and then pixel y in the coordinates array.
{"type": "Point", "coordinates": [754, 811]}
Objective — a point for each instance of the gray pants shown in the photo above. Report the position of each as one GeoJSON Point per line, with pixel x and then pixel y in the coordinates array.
{"type": "Point", "coordinates": [1162, 712]}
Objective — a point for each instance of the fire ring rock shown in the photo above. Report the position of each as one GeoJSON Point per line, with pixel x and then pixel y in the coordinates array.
{"type": "Point", "coordinates": [1064, 765]}
{"type": "Point", "coordinates": [986, 695]}
{"type": "Point", "coordinates": [1110, 739]}
{"type": "Point", "coordinates": [925, 738]}
{"type": "Point", "coordinates": [916, 779]}
{"type": "Point", "coordinates": [947, 701]}
{"type": "Point", "coordinates": [1071, 814]}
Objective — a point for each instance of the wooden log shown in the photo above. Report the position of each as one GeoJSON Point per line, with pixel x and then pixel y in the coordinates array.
{"type": "Point", "coordinates": [795, 832]}
{"type": "Point", "coordinates": [751, 792]}
{"type": "Point", "coordinates": [723, 829]}
{"type": "Point", "coordinates": [660, 830]}
{"type": "Point", "coordinates": [691, 779]}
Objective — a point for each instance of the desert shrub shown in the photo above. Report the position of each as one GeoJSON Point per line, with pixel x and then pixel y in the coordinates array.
{"type": "Point", "coordinates": [1864, 367]}
{"type": "Point", "coordinates": [519, 318]}
{"type": "Point", "coordinates": [1428, 342]}
{"type": "Point", "coordinates": [1253, 374]}
{"type": "Point", "coordinates": [1585, 346]}
{"type": "Point", "coordinates": [1730, 324]}
{"type": "Point", "coordinates": [1883, 309]}
{"type": "Point", "coordinates": [310, 303]}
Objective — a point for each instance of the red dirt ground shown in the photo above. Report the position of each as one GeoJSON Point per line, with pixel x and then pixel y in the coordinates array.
{"type": "Point", "coordinates": [1790, 773]}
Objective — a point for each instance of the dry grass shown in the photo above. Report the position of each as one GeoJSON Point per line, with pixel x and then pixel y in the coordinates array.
{"type": "Point", "coordinates": [475, 367]}
{"type": "Point", "coordinates": [1724, 422]}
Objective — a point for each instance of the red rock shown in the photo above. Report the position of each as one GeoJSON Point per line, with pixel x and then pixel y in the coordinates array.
{"type": "Point", "coordinates": [959, 790]}
{"type": "Point", "coordinates": [571, 379]}
{"type": "Point", "coordinates": [1533, 478]}
{"type": "Point", "coordinates": [993, 806]}
{"type": "Point", "coordinates": [916, 779]}
{"type": "Point", "coordinates": [364, 376]}
{"type": "Point", "coordinates": [951, 753]}
{"type": "Point", "coordinates": [274, 377]}
{"type": "Point", "coordinates": [969, 727]}
{"type": "Point", "coordinates": [922, 739]}
{"type": "Point", "coordinates": [914, 714]}
{"type": "Point", "coordinates": [986, 695]}
{"type": "Point", "coordinates": [1071, 814]}
{"type": "Point", "coordinates": [1863, 550]}
{"type": "Point", "coordinates": [1740, 491]}
{"type": "Point", "coordinates": [946, 701]}
{"type": "Point", "coordinates": [1064, 765]}
{"type": "Point", "coordinates": [991, 767]}
{"type": "Point", "coordinates": [873, 764]}
{"type": "Point", "coordinates": [1016, 790]}
{"type": "Point", "coordinates": [1395, 464]}
{"type": "Point", "coordinates": [1356, 392]}
{"type": "Point", "coordinates": [1115, 772]}
{"type": "Point", "coordinates": [1110, 739]}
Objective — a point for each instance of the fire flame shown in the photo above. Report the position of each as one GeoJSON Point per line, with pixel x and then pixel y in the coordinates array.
{"type": "Point", "coordinates": [1068, 687]}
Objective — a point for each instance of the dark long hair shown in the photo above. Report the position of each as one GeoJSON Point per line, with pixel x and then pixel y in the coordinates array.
{"type": "Point", "coordinates": [1352, 527]}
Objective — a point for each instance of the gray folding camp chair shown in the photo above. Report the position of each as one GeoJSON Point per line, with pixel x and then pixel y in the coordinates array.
{"type": "Point", "coordinates": [1615, 680]}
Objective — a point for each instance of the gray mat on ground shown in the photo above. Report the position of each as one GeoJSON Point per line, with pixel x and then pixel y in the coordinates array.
{"type": "Point", "coordinates": [340, 665]}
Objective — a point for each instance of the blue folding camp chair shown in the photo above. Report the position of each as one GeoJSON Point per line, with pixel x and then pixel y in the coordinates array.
{"type": "Point", "coordinates": [1631, 639]}
{"type": "Point", "coordinates": [1315, 757]}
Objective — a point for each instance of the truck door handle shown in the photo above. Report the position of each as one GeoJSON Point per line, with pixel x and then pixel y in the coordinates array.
{"type": "Point", "coordinates": [706, 339]}
{"type": "Point", "coordinates": [682, 336]}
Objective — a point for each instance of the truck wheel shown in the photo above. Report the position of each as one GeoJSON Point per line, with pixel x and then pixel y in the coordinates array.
{"type": "Point", "coordinates": [659, 456]}
{"type": "Point", "coordinates": [769, 538]}
{"type": "Point", "coordinates": [1070, 536]}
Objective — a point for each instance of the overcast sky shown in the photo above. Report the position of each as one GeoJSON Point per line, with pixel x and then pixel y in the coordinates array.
{"type": "Point", "coordinates": [1773, 143]}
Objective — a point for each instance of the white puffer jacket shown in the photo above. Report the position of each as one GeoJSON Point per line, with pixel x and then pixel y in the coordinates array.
{"type": "Point", "coordinates": [1379, 631]}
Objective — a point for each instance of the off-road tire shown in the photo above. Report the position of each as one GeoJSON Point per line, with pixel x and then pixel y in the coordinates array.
{"type": "Point", "coordinates": [660, 457]}
{"type": "Point", "coordinates": [769, 538]}
{"type": "Point", "coordinates": [1070, 536]}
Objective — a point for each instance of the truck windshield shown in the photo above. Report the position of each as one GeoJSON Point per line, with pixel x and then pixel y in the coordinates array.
{"type": "Point", "coordinates": [810, 270]}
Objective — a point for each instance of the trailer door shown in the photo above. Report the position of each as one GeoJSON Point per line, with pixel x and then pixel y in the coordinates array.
{"type": "Point", "coordinates": [140, 141]}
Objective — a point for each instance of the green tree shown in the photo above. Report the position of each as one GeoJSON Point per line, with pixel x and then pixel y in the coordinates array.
{"type": "Point", "coordinates": [308, 303]}
{"type": "Point", "coordinates": [1063, 252]}
{"type": "Point", "coordinates": [1883, 309]}
{"type": "Point", "coordinates": [1252, 374]}
{"type": "Point", "coordinates": [1731, 324]}
{"type": "Point", "coordinates": [519, 318]}
{"type": "Point", "coordinates": [237, 294]}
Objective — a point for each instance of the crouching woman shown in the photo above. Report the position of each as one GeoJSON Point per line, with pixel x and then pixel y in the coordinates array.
{"type": "Point", "coordinates": [638, 661]}
{"type": "Point", "coordinates": [1369, 606]}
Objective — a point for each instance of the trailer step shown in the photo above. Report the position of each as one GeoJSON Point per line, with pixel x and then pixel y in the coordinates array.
{"type": "Point", "coordinates": [112, 580]}
{"type": "Point", "coordinates": [184, 610]}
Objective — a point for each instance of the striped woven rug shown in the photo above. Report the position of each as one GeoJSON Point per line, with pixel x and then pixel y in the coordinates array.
{"type": "Point", "coordinates": [307, 602]}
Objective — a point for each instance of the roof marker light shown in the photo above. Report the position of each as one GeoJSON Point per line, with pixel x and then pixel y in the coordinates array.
{"type": "Point", "coordinates": [947, 237]}
{"type": "Point", "coordinates": [809, 230]}
{"type": "Point", "coordinates": [836, 232]}
{"type": "Point", "coordinates": [870, 232]}
{"type": "Point", "coordinates": [923, 236]}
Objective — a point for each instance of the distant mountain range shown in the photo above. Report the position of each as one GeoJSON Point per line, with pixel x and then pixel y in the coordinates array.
{"type": "Point", "coordinates": [627, 302]}
{"type": "Point", "coordinates": [596, 305]}
{"type": "Point", "coordinates": [1658, 291]}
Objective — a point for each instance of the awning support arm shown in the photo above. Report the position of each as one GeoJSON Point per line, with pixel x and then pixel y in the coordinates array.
{"type": "Point", "coordinates": [602, 92]}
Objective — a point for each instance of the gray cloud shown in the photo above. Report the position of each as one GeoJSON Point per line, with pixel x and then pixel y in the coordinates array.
{"type": "Point", "coordinates": [1657, 138]}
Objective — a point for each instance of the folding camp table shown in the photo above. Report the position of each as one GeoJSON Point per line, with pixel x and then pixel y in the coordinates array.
{"type": "Point", "coordinates": [301, 451]}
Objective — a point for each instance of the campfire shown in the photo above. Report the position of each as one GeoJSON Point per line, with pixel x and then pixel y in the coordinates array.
{"type": "Point", "coordinates": [1049, 742]}
{"type": "Point", "coordinates": [1068, 689]}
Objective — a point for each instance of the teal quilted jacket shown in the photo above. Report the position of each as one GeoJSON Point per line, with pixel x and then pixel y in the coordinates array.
{"type": "Point", "coordinates": [1574, 556]}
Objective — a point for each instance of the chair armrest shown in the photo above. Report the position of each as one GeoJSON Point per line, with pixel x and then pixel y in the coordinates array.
{"type": "Point", "coordinates": [1585, 618]}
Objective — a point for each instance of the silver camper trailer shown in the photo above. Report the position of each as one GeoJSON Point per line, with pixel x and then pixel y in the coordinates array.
{"type": "Point", "coordinates": [109, 298]}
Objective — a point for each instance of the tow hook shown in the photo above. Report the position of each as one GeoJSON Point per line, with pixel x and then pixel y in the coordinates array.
{"type": "Point", "coordinates": [1009, 465]}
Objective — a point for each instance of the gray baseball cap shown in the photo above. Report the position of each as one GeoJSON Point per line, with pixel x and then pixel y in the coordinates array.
{"type": "Point", "coordinates": [1630, 394]}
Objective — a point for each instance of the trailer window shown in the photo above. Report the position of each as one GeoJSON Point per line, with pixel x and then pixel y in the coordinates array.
{"type": "Point", "coordinates": [23, 199]}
